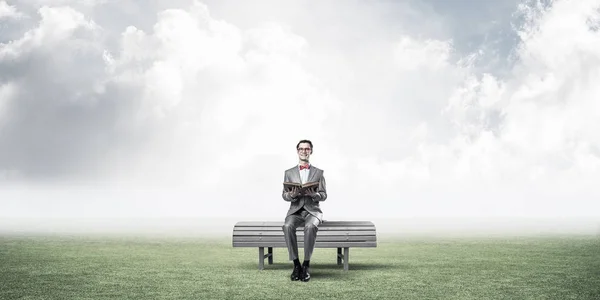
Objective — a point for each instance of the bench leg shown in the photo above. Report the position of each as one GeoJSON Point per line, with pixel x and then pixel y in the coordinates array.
{"type": "Point", "coordinates": [339, 256]}
{"type": "Point", "coordinates": [270, 255]}
{"type": "Point", "coordinates": [346, 257]}
{"type": "Point", "coordinates": [261, 258]}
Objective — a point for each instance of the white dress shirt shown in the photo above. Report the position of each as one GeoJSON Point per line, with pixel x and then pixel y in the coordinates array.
{"type": "Point", "coordinates": [304, 174]}
{"type": "Point", "coordinates": [304, 177]}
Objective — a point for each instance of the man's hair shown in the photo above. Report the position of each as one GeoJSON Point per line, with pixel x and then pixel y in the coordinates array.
{"type": "Point", "coordinates": [305, 141]}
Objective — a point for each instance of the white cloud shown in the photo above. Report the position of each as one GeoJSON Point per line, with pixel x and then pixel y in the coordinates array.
{"type": "Point", "coordinates": [58, 24]}
{"type": "Point", "coordinates": [412, 54]}
{"type": "Point", "coordinates": [530, 124]}
{"type": "Point", "coordinates": [401, 120]}
{"type": "Point", "coordinates": [9, 11]}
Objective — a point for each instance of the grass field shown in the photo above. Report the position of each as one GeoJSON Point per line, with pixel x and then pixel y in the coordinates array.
{"type": "Point", "coordinates": [94, 267]}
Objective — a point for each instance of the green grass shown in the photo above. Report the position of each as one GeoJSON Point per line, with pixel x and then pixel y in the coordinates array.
{"type": "Point", "coordinates": [78, 267]}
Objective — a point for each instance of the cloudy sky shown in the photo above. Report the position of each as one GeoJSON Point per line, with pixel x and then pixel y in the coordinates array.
{"type": "Point", "coordinates": [432, 109]}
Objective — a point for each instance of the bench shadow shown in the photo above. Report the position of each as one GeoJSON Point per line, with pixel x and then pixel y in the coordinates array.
{"type": "Point", "coordinates": [318, 266]}
{"type": "Point", "coordinates": [354, 266]}
{"type": "Point", "coordinates": [274, 266]}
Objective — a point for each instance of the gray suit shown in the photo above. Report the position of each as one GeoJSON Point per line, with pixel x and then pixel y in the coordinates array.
{"type": "Point", "coordinates": [304, 211]}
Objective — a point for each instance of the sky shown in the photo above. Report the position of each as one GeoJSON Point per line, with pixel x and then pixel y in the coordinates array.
{"type": "Point", "coordinates": [438, 110]}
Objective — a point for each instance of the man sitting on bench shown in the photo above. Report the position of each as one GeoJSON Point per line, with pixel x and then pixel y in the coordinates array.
{"type": "Point", "coordinates": [304, 208]}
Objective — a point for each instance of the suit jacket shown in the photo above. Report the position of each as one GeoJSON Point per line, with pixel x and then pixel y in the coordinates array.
{"type": "Point", "coordinates": [310, 204]}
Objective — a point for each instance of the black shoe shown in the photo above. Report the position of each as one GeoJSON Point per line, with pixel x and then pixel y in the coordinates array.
{"type": "Point", "coordinates": [305, 274]}
{"type": "Point", "coordinates": [296, 273]}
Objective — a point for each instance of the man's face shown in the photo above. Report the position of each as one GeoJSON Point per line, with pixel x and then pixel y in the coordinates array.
{"type": "Point", "coordinates": [304, 151]}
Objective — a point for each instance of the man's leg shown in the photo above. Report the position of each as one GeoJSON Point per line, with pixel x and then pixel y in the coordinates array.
{"type": "Point", "coordinates": [289, 232]}
{"type": "Point", "coordinates": [311, 227]}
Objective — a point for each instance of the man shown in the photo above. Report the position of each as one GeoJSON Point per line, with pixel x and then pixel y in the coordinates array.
{"type": "Point", "coordinates": [304, 209]}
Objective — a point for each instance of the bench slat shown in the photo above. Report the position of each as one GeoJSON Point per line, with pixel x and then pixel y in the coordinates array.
{"type": "Point", "coordinates": [324, 223]}
{"type": "Point", "coordinates": [301, 233]}
{"type": "Point", "coordinates": [319, 238]}
{"type": "Point", "coordinates": [321, 228]}
{"type": "Point", "coordinates": [301, 244]}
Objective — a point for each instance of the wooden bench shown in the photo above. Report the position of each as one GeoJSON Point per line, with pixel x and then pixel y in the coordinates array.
{"type": "Point", "coordinates": [331, 234]}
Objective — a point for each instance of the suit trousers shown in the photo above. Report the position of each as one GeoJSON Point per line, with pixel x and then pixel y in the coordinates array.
{"type": "Point", "coordinates": [311, 226]}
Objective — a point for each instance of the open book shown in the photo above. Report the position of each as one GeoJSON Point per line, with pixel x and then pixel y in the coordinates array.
{"type": "Point", "coordinates": [303, 187]}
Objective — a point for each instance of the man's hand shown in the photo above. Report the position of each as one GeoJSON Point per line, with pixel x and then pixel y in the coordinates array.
{"type": "Point", "coordinates": [311, 193]}
{"type": "Point", "coordinates": [295, 192]}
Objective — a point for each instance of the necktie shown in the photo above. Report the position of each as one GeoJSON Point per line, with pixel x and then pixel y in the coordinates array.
{"type": "Point", "coordinates": [304, 167]}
